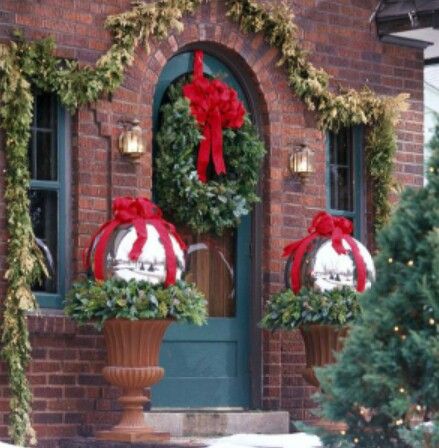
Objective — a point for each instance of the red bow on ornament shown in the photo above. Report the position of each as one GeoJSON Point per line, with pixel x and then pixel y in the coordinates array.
{"type": "Point", "coordinates": [336, 228]}
{"type": "Point", "coordinates": [215, 106]}
{"type": "Point", "coordinates": [139, 212]}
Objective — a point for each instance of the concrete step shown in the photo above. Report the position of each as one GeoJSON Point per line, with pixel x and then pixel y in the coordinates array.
{"type": "Point", "coordinates": [91, 442]}
{"type": "Point", "coordinates": [218, 423]}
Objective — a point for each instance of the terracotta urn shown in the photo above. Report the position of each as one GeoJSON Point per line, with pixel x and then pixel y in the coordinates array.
{"type": "Point", "coordinates": [321, 341]}
{"type": "Point", "coordinates": [133, 351]}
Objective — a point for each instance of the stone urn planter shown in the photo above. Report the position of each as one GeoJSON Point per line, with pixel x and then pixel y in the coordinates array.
{"type": "Point", "coordinates": [133, 351]}
{"type": "Point", "coordinates": [321, 341]}
{"type": "Point", "coordinates": [135, 264]}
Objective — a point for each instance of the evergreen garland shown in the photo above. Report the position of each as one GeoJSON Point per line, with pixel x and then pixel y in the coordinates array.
{"type": "Point", "coordinates": [23, 63]}
{"type": "Point", "coordinates": [24, 260]}
{"type": "Point", "coordinates": [381, 147]}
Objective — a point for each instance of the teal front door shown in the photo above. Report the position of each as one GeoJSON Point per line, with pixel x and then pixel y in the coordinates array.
{"type": "Point", "coordinates": [209, 366]}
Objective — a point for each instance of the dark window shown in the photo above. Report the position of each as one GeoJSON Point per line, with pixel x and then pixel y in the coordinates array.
{"type": "Point", "coordinates": [47, 164]}
{"type": "Point", "coordinates": [344, 175]}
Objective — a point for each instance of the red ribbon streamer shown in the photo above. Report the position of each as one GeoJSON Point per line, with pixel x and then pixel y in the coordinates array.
{"type": "Point", "coordinates": [215, 106]}
{"type": "Point", "coordinates": [198, 64]}
{"type": "Point", "coordinates": [139, 212]}
{"type": "Point", "coordinates": [336, 228]}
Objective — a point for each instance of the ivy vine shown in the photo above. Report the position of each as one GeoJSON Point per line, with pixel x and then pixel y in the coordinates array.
{"type": "Point", "coordinates": [24, 63]}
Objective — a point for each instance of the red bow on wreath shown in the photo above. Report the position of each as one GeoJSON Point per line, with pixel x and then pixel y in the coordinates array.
{"type": "Point", "coordinates": [139, 212]}
{"type": "Point", "coordinates": [215, 106]}
{"type": "Point", "coordinates": [336, 228]}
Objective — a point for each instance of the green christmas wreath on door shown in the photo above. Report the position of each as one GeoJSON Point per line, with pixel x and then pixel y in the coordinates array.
{"type": "Point", "coordinates": [213, 195]}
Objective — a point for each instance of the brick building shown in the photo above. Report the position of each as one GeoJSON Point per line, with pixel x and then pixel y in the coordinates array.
{"type": "Point", "coordinates": [77, 170]}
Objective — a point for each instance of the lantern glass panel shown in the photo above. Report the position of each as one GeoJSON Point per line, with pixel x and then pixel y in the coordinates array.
{"type": "Point", "coordinates": [302, 163]}
{"type": "Point", "coordinates": [132, 142]}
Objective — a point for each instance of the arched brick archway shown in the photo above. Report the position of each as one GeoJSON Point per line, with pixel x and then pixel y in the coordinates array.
{"type": "Point", "coordinates": [283, 123]}
{"type": "Point", "coordinates": [287, 204]}
{"type": "Point", "coordinates": [258, 90]}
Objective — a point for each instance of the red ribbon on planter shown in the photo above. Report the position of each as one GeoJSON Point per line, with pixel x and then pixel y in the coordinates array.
{"type": "Point", "coordinates": [215, 106]}
{"type": "Point", "coordinates": [336, 228]}
{"type": "Point", "coordinates": [139, 212]}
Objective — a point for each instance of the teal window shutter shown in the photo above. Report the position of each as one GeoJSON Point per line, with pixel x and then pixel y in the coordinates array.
{"type": "Point", "coordinates": [49, 192]}
{"type": "Point", "coordinates": [344, 175]}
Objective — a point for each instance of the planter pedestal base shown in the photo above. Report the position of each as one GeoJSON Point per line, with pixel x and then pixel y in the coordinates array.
{"type": "Point", "coordinates": [132, 427]}
{"type": "Point", "coordinates": [321, 342]}
{"type": "Point", "coordinates": [133, 350]}
{"type": "Point", "coordinates": [330, 426]}
{"type": "Point", "coordinates": [129, 435]}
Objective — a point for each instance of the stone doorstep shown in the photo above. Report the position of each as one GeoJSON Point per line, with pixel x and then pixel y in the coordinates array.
{"type": "Point", "coordinates": [217, 423]}
{"type": "Point", "coordinates": [91, 442]}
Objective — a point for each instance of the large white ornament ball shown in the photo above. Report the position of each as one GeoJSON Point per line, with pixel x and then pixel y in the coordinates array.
{"type": "Point", "coordinates": [151, 264]}
{"type": "Point", "coordinates": [323, 269]}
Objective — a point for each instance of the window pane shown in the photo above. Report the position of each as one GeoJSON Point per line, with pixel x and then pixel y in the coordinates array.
{"type": "Point", "coordinates": [334, 191]}
{"type": "Point", "coordinates": [332, 145]}
{"type": "Point", "coordinates": [211, 263]}
{"type": "Point", "coordinates": [32, 157]}
{"type": "Point", "coordinates": [44, 214]}
{"type": "Point", "coordinates": [46, 156]}
{"type": "Point", "coordinates": [344, 199]}
{"type": "Point", "coordinates": [341, 171]}
{"type": "Point", "coordinates": [343, 148]}
{"type": "Point", "coordinates": [42, 146]}
{"type": "Point", "coordinates": [45, 112]}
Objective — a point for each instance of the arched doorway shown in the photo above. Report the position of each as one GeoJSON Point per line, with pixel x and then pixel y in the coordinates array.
{"type": "Point", "coordinates": [209, 366]}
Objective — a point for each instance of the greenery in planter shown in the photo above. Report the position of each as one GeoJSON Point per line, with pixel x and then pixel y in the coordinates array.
{"type": "Point", "coordinates": [287, 311]}
{"type": "Point", "coordinates": [95, 302]}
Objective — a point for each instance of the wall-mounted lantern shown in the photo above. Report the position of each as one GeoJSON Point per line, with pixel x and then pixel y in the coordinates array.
{"type": "Point", "coordinates": [302, 162]}
{"type": "Point", "coordinates": [130, 141]}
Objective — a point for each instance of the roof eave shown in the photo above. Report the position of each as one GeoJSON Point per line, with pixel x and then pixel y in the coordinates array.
{"type": "Point", "coordinates": [395, 24]}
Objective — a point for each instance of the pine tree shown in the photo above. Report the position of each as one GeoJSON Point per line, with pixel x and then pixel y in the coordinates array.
{"type": "Point", "coordinates": [386, 380]}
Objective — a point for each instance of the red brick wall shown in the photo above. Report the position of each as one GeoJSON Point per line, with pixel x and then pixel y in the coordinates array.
{"type": "Point", "coordinates": [70, 395]}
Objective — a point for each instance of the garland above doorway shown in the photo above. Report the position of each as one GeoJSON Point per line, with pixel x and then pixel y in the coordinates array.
{"type": "Point", "coordinates": [23, 63]}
